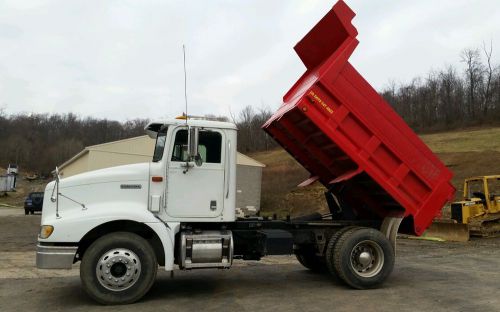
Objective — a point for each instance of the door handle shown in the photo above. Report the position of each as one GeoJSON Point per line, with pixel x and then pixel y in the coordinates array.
{"type": "Point", "coordinates": [213, 205]}
{"type": "Point", "coordinates": [186, 167]}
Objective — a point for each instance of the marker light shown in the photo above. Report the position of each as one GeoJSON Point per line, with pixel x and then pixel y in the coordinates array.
{"type": "Point", "coordinates": [46, 231]}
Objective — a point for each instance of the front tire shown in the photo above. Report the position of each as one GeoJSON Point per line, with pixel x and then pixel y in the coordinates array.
{"type": "Point", "coordinates": [118, 268]}
{"type": "Point", "coordinates": [363, 258]}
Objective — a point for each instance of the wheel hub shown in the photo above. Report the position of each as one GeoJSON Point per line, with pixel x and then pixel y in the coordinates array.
{"type": "Point", "coordinates": [367, 258]}
{"type": "Point", "coordinates": [118, 269]}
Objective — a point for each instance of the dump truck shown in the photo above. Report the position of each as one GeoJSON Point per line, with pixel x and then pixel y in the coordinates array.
{"type": "Point", "coordinates": [178, 211]}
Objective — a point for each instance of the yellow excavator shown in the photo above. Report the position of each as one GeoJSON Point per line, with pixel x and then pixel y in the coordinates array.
{"type": "Point", "coordinates": [478, 214]}
{"type": "Point", "coordinates": [480, 208]}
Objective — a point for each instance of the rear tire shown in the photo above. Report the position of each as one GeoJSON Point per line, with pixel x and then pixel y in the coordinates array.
{"type": "Point", "coordinates": [118, 268]}
{"type": "Point", "coordinates": [329, 253]}
{"type": "Point", "coordinates": [309, 259]}
{"type": "Point", "coordinates": [363, 258]}
{"type": "Point", "coordinates": [26, 211]}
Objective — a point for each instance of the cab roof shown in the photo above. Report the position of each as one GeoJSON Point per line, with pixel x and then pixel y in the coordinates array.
{"type": "Point", "coordinates": [487, 177]}
{"type": "Point", "coordinates": [153, 127]}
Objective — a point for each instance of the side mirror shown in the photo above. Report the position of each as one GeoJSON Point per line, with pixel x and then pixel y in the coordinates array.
{"type": "Point", "coordinates": [56, 174]}
{"type": "Point", "coordinates": [193, 142]}
{"type": "Point", "coordinates": [197, 160]}
{"type": "Point", "coordinates": [193, 151]}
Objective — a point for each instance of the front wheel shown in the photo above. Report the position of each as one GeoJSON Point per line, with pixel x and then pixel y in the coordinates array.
{"type": "Point", "coordinates": [362, 257]}
{"type": "Point", "coordinates": [118, 268]}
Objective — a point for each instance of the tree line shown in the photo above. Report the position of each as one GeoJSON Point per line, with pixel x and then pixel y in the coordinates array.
{"type": "Point", "coordinates": [449, 98]}
{"type": "Point", "coordinates": [39, 142]}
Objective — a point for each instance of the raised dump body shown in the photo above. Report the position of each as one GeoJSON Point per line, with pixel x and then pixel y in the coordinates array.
{"type": "Point", "coordinates": [341, 130]}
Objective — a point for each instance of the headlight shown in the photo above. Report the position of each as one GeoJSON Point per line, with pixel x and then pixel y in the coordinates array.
{"type": "Point", "coordinates": [46, 231]}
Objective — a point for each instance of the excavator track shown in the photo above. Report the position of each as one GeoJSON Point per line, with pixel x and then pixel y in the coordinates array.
{"type": "Point", "coordinates": [485, 226]}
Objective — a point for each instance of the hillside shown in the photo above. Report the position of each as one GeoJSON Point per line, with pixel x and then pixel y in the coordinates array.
{"type": "Point", "coordinates": [467, 153]}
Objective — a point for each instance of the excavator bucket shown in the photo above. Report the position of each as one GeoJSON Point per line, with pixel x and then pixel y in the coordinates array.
{"type": "Point", "coordinates": [448, 230]}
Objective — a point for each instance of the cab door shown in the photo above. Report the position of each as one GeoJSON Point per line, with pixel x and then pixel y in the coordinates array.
{"type": "Point", "coordinates": [196, 191]}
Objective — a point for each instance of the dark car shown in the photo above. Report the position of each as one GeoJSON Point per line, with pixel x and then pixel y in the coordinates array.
{"type": "Point", "coordinates": [33, 202]}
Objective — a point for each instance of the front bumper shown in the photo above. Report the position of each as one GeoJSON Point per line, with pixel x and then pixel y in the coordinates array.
{"type": "Point", "coordinates": [55, 257]}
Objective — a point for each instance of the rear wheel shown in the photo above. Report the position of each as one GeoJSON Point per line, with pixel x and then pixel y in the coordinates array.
{"type": "Point", "coordinates": [26, 211]}
{"type": "Point", "coordinates": [329, 254]}
{"type": "Point", "coordinates": [362, 257]}
{"type": "Point", "coordinates": [118, 268]}
{"type": "Point", "coordinates": [308, 258]}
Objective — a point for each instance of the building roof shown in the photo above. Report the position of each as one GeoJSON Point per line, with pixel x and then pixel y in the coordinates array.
{"type": "Point", "coordinates": [98, 146]}
{"type": "Point", "coordinates": [244, 160]}
{"type": "Point", "coordinates": [73, 159]}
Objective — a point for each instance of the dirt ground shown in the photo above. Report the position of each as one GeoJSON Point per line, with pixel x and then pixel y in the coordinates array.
{"type": "Point", "coordinates": [428, 276]}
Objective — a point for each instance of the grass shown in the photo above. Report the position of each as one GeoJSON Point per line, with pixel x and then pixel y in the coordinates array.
{"type": "Point", "coordinates": [464, 141]}
{"type": "Point", "coordinates": [467, 153]}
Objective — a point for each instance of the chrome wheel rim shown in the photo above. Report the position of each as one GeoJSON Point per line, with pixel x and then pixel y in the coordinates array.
{"type": "Point", "coordinates": [118, 269]}
{"type": "Point", "coordinates": [367, 258]}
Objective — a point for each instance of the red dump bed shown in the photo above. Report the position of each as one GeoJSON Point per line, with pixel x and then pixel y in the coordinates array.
{"type": "Point", "coordinates": [341, 130]}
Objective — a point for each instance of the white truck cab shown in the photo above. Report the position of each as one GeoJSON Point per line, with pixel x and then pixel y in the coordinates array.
{"type": "Point", "coordinates": [199, 187]}
{"type": "Point", "coordinates": [191, 178]}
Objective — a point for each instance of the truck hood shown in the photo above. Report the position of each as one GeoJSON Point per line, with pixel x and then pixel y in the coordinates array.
{"type": "Point", "coordinates": [111, 192]}
{"type": "Point", "coordinates": [129, 173]}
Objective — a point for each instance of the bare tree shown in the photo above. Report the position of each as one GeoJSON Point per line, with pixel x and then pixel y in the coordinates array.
{"type": "Point", "coordinates": [489, 77]}
{"type": "Point", "coordinates": [473, 70]}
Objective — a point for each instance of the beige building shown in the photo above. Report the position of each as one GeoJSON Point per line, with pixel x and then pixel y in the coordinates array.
{"type": "Point", "coordinates": [140, 149]}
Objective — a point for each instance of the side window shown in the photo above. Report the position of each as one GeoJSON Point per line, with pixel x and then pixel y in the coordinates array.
{"type": "Point", "coordinates": [210, 146]}
{"type": "Point", "coordinates": [476, 187]}
{"type": "Point", "coordinates": [180, 149]}
{"type": "Point", "coordinates": [160, 145]}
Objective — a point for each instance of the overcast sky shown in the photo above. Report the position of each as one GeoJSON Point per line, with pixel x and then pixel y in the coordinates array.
{"type": "Point", "coordinates": [123, 59]}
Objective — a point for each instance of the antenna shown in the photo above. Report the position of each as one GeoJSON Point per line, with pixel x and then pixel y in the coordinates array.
{"type": "Point", "coordinates": [185, 81]}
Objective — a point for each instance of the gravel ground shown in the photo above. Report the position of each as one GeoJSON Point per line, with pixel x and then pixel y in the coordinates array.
{"type": "Point", "coordinates": [429, 276]}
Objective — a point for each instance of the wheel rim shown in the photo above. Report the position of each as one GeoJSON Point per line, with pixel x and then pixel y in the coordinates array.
{"type": "Point", "coordinates": [118, 269]}
{"type": "Point", "coordinates": [367, 258]}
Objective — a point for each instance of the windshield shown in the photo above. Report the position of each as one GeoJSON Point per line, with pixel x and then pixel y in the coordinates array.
{"type": "Point", "coordinates": [160, 144]}
{"type": "Point", "coordinates": [475, 189]}
{"type": "Point", "coordinates": [494, 187]}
